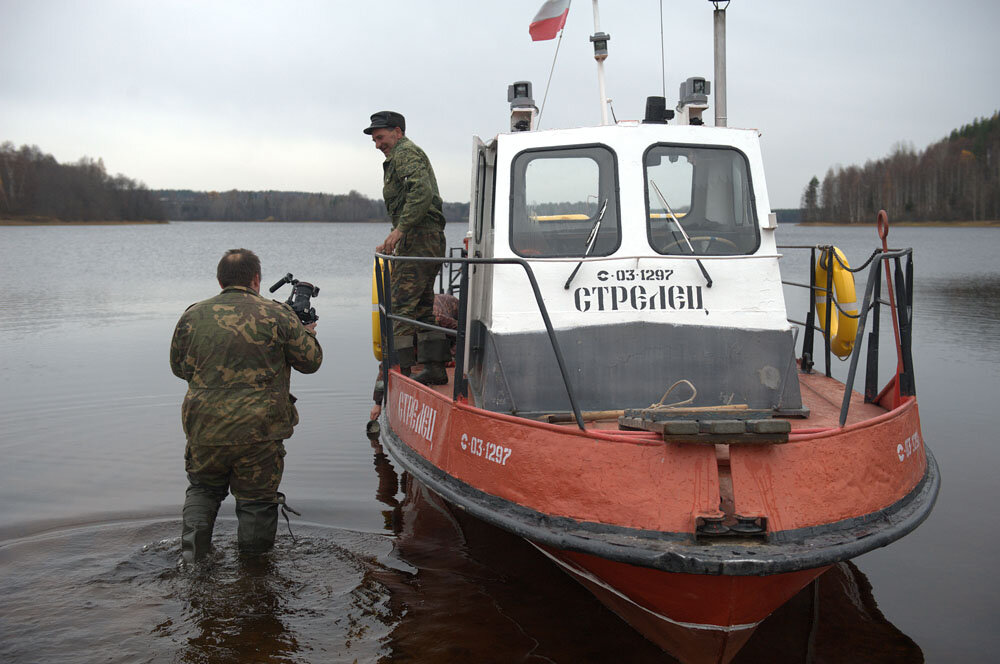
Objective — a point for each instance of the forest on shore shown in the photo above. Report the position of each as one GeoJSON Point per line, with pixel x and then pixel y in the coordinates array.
{"type": "Point", "coordinates": [955, 179]}
{"type": "Point", "coordinates": [235, 205]}
{"type": "Point", "coordinates": [35, 187]}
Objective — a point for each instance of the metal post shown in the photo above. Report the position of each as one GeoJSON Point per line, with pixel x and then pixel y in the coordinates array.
{"type": "Point", "coordinates": [807, 336]}
{"type": "Point", "coordinates": [871, 374]}
{"type": "Point", "coordinates": [600, 70]}
{"type": "Point", "coordinates": [461, 388]}
{"type": "Point", "coordinates": [720, 65]}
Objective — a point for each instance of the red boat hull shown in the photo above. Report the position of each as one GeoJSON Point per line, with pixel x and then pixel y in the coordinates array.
{"type": "Point", "coordinates": [699, 619]}
{"type": "Point", "coordinates": [618, 510]}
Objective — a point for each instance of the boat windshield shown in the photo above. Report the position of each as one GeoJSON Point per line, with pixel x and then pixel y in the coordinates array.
{"type": "Point", "coordinates": [565, 202]}
{"type": "Point", "coordinates": [699, 201]}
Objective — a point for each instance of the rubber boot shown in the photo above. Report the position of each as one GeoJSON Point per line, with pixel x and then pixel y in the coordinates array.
{"type": "Point", "coordinates": [406, 353]}
{"type": "Point", "coordinates": [433, 350]}
{"type": "Point", "coordinates": [201, 505]}
{"type": "Point", "coordinates": [258, 524]}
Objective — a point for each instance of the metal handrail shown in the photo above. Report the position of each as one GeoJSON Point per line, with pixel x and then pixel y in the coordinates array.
{"type": "Point", "coordinates": [385, 310]}
{"type": "Point", "coordinates": [870, 302]}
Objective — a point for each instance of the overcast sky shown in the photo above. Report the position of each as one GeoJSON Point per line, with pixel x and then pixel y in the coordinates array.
{"type": "Point", "coordinates": [273, 95]}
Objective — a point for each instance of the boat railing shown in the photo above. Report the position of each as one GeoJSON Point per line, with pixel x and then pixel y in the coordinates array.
{"type": "Point", "coordinates": [899, 279]}
{"type": "Point", "coordinates": [386, 316]}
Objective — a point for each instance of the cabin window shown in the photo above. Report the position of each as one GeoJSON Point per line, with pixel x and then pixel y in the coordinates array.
{"type": "Point", "coordinates": [564, 202]}
{"type": "Point", "coordinates": [699, 201]}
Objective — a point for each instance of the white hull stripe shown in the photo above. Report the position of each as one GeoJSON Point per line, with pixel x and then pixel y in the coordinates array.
{"type": "Point", "coordinates": [573, 569]}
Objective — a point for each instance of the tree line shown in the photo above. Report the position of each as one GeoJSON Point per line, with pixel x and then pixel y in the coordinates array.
{"type": "Point", "coordinates": [235, 205]}
{"type": "Point", "coordinates": [34, 185]}
{"type": "Point", "coordinates": [955, 179]}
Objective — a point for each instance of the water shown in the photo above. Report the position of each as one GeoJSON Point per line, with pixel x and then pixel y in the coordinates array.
{"type": "Point", "coordinates": [379, 570]}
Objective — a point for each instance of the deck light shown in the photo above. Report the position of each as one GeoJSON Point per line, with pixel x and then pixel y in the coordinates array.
{"type": "Point", "coordinates": [600, 40]}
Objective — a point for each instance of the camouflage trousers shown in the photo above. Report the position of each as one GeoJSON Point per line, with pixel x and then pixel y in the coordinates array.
{"type": "Point", "coordinates": [413, 283]}
{"type": "Point", "coordinates": [251, 471]}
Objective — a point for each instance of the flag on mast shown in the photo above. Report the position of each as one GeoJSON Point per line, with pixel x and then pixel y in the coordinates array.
{"type": "Point", "coordinates": [549, 20]}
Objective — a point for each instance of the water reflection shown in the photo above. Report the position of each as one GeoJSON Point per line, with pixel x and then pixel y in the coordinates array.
{"type": "Point", "coordinates": [388, 487]}
{"type": "Point", "coordinates": [965, 310]}
{"type": "Point", "coordinates": [238, 616]}
{"type": "Point", "coordinates": [115, 593]}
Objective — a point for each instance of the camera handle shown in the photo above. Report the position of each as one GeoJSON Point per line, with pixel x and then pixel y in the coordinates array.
{"type": "Point", "coordinates": [287, 279]}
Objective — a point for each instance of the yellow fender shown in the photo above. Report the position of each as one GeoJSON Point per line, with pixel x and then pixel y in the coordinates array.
{"type": "Point", "coordinates": [843, 328]}
{"type": "Point", "coordinates": [376, 322]}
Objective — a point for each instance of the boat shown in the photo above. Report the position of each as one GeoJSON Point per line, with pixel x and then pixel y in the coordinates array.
{"type": "Point", "coordinates": [630, 394]}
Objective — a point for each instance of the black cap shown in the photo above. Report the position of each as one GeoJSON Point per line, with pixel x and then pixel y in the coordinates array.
{"type": "Point", "coordinates": [386, 120]}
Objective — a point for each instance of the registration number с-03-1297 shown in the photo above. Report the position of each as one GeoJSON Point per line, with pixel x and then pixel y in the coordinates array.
{"type": "Point", "coordinates": [482, 448]}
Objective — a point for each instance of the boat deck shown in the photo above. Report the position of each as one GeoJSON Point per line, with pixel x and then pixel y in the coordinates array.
{"type": "Point", "coordinates": [822, 396]}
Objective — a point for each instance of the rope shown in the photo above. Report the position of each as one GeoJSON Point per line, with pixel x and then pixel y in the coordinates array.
{"type": "Point", "coordinates": [285, 509]}
{"type": "Point", "coordinates": [868, 262]}
{"type": "Point", "coordinates": [659, 405]}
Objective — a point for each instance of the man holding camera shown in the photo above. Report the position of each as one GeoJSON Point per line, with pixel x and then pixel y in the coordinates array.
{"type": "Point", "coordinates": [236, 351]}
{"type": "Point", "coordinates": [411, 196]}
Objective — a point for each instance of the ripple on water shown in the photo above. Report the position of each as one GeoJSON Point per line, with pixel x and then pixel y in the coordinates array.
{"type": "Point", "coordinates": [118, 593]}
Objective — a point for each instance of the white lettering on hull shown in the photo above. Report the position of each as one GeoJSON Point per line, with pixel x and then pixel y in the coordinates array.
{"type": "Point", "coordinates": [908, 447]}
{"type": "Point", "coordinates": [417, 417]}
{"type": "Point", "coordinates": [498, 454]}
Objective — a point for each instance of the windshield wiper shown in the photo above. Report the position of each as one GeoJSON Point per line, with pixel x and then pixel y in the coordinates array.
{"type": "Point", "coordinates": [687, 239]}
{"type": "Point", "coordinates": [591, 241]}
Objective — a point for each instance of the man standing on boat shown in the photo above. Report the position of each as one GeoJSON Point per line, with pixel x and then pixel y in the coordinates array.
{"type": "Point", "coordinates": [236, 351]}
{"type": "Point", "coordinates": [411, 196]}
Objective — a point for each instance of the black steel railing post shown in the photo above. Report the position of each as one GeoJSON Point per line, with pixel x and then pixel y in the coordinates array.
{"type": "Point", "coordinates": [907, 386]}
{"type": "Point", "coordinates": [807, 337]}
{"type": "Point", "coordinates": [461, 387]}
{"type": "Point", "coordinates": [871, 365]}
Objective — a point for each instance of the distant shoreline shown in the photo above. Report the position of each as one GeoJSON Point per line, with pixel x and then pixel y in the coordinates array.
{"type": "Point", "coordinates": [51, 221]}
{"type": "Point", "coordinates": [934, 224]}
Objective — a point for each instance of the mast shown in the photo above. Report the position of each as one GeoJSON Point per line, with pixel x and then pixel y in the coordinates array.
{"type": "Point", "coordinates": [719, 16]}
{"type": "Point", "coordinates": [600, 40]}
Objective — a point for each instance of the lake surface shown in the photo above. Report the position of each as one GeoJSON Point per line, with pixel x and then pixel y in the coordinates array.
{"type": "Point", "coordinates": [380, 570]}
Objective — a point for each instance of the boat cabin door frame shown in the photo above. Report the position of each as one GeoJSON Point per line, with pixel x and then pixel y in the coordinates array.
{"type": "Point", "coordinates": [480, 245]}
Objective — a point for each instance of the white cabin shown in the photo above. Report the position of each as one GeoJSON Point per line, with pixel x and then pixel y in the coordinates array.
{"type": "Point", "coordinates": [679, 281]}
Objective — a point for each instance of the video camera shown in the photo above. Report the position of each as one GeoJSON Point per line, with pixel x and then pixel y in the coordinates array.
{"type": "Point", "coordinates": [299, 299]}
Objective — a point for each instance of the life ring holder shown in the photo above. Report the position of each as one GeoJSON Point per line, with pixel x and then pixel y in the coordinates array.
{"type": "Point", "coordinates": [844, 325]}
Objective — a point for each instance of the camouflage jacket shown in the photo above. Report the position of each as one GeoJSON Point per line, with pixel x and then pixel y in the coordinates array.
{"type": "Point", "coordinates": [236, 351]}
{"type": "Point", "coordinates": [410, 189]}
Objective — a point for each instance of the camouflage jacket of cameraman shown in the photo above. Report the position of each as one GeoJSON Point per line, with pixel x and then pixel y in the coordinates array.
{"type": "Point", "coordinates": [410, 189]}
{"type": "Point", "coordinates": [236, 351]}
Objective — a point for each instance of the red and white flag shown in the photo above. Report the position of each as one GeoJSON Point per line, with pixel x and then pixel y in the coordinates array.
{"type": "Point", "coordinates": [549, 20]}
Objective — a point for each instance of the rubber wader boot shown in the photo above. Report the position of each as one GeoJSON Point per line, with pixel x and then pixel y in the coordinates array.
{"type": "Point", "coordinates": [433, 350]}
{"type": "Point", "coordinates": [258, 524]}
{"type": "Point", "coordinates": [201, 505]}
{"type": "Point", "coordinates": [406, 353]}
